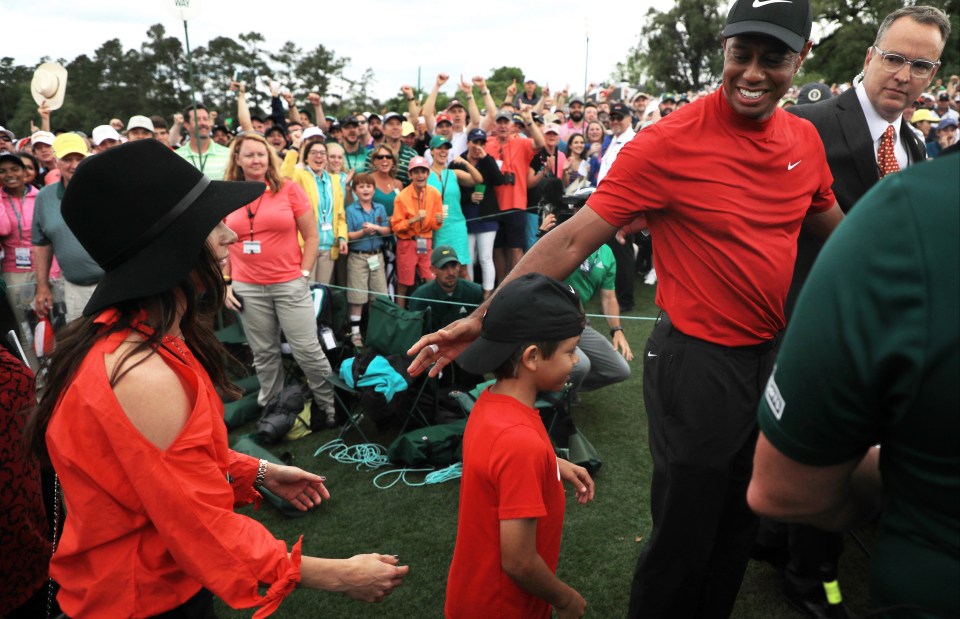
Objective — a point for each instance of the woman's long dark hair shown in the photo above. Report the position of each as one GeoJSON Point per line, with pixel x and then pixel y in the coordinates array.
{"type": "Point", "coordinates": [570, 138]}
{"type": "Point", "coordinates": [37, 178]}
{"type": "Point", "coordinates": [202, 297]}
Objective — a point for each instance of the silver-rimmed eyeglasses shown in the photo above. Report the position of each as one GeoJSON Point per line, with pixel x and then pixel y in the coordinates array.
{"type": "Point", "coordinates": [918, 68]}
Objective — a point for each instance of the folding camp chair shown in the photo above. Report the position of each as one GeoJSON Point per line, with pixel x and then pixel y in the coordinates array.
{"type": "Point", "coordinates": [229, 333]}
{"type": "Point", "coordinates": [391, 330]}
{"type": "Point", "coordinates": [353, 413]}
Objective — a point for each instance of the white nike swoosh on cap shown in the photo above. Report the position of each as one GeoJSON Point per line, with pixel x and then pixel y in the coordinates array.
{"type": "Point", "coordinates": [760, 3]}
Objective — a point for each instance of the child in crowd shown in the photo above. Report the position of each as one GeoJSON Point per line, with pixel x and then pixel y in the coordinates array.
{"type": "Point", "coordinates": [417, 212]}
{"type": "Point", "coordinates": [367, 222]}
{"type": "Point", "coordinates": [511, 495]}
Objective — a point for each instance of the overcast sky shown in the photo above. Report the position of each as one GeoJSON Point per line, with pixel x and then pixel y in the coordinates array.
{"type": "Point", "coordinates": [544, 38]}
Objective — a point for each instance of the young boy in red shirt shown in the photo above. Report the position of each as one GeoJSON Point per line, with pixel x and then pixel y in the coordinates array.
{"type": "Point", "coordinates": [511, 494]}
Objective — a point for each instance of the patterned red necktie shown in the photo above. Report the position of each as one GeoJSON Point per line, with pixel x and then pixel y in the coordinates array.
{"type": "Point", "coordinates": [886, 159]}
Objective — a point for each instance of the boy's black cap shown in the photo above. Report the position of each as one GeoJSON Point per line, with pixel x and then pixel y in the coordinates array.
{"type": "Point", "coordinates": [531, 308]}
{"type": "Point", "coordinates": [789, 21]}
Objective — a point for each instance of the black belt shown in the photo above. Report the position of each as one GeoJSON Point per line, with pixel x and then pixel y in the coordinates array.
{"type": "Point", "coordinates": [366, 253]}
{"type": "Point", "coordinates": [760, 348]}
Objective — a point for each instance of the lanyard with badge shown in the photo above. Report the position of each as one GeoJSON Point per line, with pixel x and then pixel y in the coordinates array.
{"type": "Point", "coordinates": [21, 254]}
{"type": "Point", "coordinates": [325, 199]}
{"type": "Point", "coordinates": [443, 191]}
{"type": "Point", "coordinates": [373, 262]}
{"type": "Point", "coordinates": [421, 242]}
{"type": "Point", "coordinates": [252, 246]}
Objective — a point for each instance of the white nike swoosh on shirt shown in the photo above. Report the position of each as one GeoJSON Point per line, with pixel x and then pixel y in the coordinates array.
{"type": "Point", "coordinates": [791, 166]}
{"type": "Point", "coordinates": [650, 354]}
{"type": "Point", "coordinates": [759, 3]}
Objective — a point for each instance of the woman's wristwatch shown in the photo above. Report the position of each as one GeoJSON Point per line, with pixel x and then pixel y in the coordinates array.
{"type": "Point", "coordinates": [305, 272]}
{"type": "Point", "coordinates": [261, 474]}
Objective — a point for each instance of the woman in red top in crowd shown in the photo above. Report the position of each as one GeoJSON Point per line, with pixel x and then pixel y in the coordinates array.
{"type": "Point", "coordinates": [133, 423]}
{"type": "Point", "coordinates": [270, 272]}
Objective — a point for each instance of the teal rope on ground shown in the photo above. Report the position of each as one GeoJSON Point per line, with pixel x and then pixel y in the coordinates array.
{"type": "Point", "coordinates": [366, 456]}
{"type": "Point", "coordinates": [372, 456]}
{"type": "Point", "coordinates": [454, 471]}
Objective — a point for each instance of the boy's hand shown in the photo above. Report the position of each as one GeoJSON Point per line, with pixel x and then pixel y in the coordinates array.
{"type": "Point", "coordinates": [580, 479]}
{"type": "Point", "coordinates": [574, 609]}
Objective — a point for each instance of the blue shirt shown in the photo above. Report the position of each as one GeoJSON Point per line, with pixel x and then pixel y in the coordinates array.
{"type": "Point", "coordinates": [356, 216]}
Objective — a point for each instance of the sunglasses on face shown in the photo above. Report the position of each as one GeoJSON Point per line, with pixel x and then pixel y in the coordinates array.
{"type": "Point", "coordinates": [382, 157]}
{"type": "Point", "coordinates": [5, 138]}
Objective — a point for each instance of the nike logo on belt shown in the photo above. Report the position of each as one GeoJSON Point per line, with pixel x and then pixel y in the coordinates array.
{"type": "Point", "coordinates": [759, 3]}
{"type": "Point", "coordinates": [791, 166]}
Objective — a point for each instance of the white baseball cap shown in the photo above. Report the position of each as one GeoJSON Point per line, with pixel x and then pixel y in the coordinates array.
{"type": "Point", "coordinates": [104, 132]}
{"type": "Point", "coordinates": [312, 132]}
{"type": "Point", "coordinates": [140, 121]}
{"type": "Point", "coordinates": [42, 137]}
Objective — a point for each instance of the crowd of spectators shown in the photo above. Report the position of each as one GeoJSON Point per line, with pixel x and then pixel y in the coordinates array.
{"type": "Point", "coordinates": [422, 204]}
{"type": "Point", "coordinates": [500, 162]}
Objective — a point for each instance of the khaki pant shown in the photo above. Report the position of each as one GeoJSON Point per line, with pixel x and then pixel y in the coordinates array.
{"type": "Point", "coordinates": [76, 298]}
{"type": "Point", "coordinates": [322, 268]}
{"type": "Point", "coordinates": [287, 306]}
{"type": "Point", "coordinates": [364, 284]}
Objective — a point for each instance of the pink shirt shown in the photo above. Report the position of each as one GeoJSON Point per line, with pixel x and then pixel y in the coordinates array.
{"type": "Point", "coordinates": [273, 237]}
{"type": "Point", "coordinates": [16, 221]}
{"type": "Point", "coordinates": [569, 128]}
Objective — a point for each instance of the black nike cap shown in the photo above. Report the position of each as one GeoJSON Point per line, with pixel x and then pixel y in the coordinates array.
{"type": "Point", "coordinates": [789, 21]}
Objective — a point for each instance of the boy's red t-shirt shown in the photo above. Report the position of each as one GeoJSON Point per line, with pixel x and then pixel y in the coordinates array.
{"type": "Point", "coordinates": [509, 472]}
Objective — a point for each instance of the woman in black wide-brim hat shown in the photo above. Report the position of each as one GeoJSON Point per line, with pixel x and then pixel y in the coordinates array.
{"type": "Point", "coordinates": [133, 424]}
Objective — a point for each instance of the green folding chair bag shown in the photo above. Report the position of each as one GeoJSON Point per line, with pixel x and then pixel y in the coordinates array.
{"type": "Point", "coordinates": [247, 444]}
{"type": "Point", "coordinates": [239, 412]}
{"type": "Point", "coordinates": [392, 330]}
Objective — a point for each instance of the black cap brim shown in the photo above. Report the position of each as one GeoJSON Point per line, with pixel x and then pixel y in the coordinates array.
{"type": "Point", "coordinates": [486, 355]}
{"type": "Point", "coordinates": [789, 38]}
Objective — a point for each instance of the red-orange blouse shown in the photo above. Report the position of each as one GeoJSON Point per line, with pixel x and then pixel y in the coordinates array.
{"type": "Point", "coordinates": [147, 528]}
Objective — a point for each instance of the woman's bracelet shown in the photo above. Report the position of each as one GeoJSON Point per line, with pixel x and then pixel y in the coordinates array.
{"type": "Point", "coordinates": [261, 474]}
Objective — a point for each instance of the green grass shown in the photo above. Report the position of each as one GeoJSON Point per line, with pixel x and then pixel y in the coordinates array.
{"type": "Point", "coordinates": [601, 541]}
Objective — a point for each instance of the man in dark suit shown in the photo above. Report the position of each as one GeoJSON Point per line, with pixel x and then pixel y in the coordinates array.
{"type": "Point", "coordinates": [852, 124]}
{"type": "Point", "coordinates": [854, 127]}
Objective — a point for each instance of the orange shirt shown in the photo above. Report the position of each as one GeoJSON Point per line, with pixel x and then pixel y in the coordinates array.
{"type": "Point", "coordinates": [514, 157]}
{"type": "Point", "coordinates": [147, 528]}
{"type": "Point", "coordinates": [407, 204]}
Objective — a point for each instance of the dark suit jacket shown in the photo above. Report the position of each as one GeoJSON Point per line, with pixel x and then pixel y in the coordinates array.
{"type": "Point", "coordinates": [846, 138]}
{"type": "Point", "coordinates": [843, 128]}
